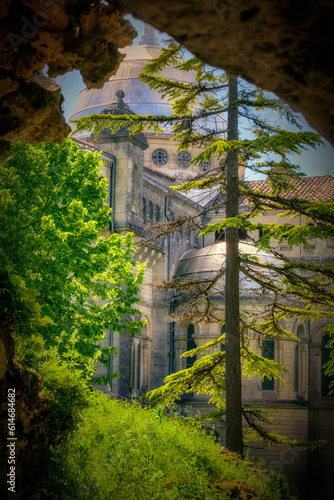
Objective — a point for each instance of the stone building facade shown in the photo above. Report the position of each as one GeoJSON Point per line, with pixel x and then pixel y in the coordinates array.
{"type": "Point", "coordinates": [141, 170]}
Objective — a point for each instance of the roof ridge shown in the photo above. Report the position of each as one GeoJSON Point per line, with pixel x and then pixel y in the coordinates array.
{"type": "Point", "coordinates": [160, 174]}
{"type": "Point", "coordinates": [313, 188]}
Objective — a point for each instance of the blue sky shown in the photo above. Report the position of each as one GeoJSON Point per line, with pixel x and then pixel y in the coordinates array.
{"type": "Point", "coordinates": [312, 162]}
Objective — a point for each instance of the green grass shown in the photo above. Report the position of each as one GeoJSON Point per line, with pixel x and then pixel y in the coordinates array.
{"type": "Point", "coordinates": [123, 451]}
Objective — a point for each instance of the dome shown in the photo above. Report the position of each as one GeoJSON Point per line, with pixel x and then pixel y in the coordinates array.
{"type": "Point", "coordinates": [204, 263]}
{"type": "Point", "coordinates": [138, 96]}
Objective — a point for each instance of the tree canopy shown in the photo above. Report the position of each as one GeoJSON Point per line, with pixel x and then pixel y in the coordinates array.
{"type": "Point", "coordinates": [63, 282]}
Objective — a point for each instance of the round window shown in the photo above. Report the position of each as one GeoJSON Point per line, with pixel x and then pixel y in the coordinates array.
{"type": "Point", "coordinates": [183, 159]}
{"type": "Point", "coordinates": [160, 157]}
{"type": "Point", "coordinates": [205, 165]}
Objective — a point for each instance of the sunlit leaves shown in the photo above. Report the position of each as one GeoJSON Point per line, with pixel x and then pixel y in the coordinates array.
{"type": "Point", "coordinates": [54, 211]}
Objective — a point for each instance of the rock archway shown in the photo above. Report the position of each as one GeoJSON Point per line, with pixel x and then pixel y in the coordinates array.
{"type": "Point", "coordinates": [284, 46]}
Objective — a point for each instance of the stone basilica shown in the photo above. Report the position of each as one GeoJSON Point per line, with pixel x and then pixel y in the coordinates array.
{"type": "Point", "coordinates": [140, 170]}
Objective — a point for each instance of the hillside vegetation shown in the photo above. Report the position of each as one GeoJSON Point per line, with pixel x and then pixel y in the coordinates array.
{"type": "Point", "coordinates": [119, 450]}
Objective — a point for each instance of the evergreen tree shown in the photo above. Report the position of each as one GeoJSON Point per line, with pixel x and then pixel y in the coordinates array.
{"type": "Point", "coordinates": [265, 149]}
{"type": "Point", "coordinates": [234, 439]}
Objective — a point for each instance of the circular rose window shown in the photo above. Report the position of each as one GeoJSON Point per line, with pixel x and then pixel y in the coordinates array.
{"type": "Point", "coordinates": [206, 165]}
{"type": "Point", "coordinates": [183, 159]}
{"type": "Point", "coordinates": [159, 157]}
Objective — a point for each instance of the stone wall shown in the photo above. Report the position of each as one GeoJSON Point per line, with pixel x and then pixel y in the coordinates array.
{"type": "Point", "coordinates": [63, 36]}
{"type": "Point", "coordinates": [290, 421]}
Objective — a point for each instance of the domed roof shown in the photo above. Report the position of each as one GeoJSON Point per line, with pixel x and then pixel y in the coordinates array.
{"type": "Point", "coordinates": [138, 96]}
{"type": "Point", "coordinates": [204, 263]}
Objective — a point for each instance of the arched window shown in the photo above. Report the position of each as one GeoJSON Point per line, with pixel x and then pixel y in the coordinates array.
{"type": "Point", "coordinates": [134, 188]}
{"type": "Point", "coordinates": [297, 368]}
{"type": "Point", "coordinates": [157, 213]}
{"type": "Point", "coordinates": [301, 332]}
{"type": "Point", "coordinates": [150, 211]}
{"type": "Point", "coordinates": [300, 335]}
{"type": "Point", "coordinates": [268, 351]}
{"type": "Point", "coordinates": [220, 235]}
{"type": "Point", "coordinates": [145, 364]}
{"type": "Point", "coordinates": [144, 211]}
{"type": "Point", "coordinates": [326, 379]}
{"type": "Point", "coordinates": [136, 365]}
{"type": "Point", "coordinates": [139, 366]}
{"type": "Point", "coordinates": [222, 344]}
{"type": "Point", "coordinates": [190, 345]}
{"type": "Point", "coordinates": [188, 235]}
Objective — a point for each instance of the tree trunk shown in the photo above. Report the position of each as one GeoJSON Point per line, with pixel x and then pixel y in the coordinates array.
{"type": "Point", "coordinates": [234, 438]}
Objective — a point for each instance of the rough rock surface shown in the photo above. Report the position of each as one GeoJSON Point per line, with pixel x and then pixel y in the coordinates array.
{"type": "Point", "coordinates": [65, 35]}
{"type": "Point", "coordinates": [32, 432]}
{"type": "Point", "coordinates": [285, 46]}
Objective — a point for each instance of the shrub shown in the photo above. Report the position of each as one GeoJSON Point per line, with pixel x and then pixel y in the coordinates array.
{"type": "Point", "coordinates": [67, 394]}
{"type": "Point", "coordinates": [123, 451]}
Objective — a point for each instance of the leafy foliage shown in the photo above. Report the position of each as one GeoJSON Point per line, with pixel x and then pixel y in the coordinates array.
{"type": "Point", "coordinates": [120, 450]}
{"type": "Point", "coordinates": [67, 393]}
{"type": "Point", "coordinates": [77, 281]}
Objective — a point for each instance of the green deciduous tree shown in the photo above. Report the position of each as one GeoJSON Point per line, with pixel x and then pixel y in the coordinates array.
{"type": "Point", "coordinates": [63, 282]}
{"type": "Point", "coordinates": [265, 148]}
